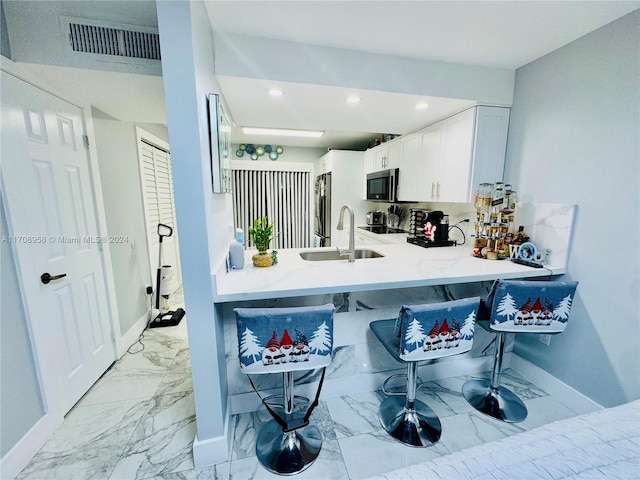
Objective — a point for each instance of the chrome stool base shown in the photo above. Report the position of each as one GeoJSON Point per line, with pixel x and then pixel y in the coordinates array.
{"type": "Point", "coordinates": [398, 389]}
{"type": "Point", "coordinates": [287, 453]}
{"type": "Point", "coordinates": [416, 427]}
{"type": "Point", "coordinates": [500, 403]}
{"type": "Point", "coordinates": [277, 402]}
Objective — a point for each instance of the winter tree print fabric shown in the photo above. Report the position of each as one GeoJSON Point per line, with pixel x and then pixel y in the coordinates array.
{"type": "Point", "coordinates": [438, 329]}
{"type": "Point", "coordinates": [530, 306]}
{"type": "Point", "coordinates": [272, 340]}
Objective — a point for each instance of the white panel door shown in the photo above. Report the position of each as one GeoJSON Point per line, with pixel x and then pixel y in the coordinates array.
{"type": "Point", "coordinates": [52, 224]}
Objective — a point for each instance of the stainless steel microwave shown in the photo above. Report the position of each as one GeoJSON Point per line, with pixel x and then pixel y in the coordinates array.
{"type": "Point", "coordinates": [382, 186]}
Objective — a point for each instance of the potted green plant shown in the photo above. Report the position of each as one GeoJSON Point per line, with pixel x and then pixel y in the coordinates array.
{"type": "Point", "coordinates": [262, 233]}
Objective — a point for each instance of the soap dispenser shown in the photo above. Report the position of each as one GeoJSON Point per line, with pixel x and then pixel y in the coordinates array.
{"type": "Point", "coordinates": [236, 251]}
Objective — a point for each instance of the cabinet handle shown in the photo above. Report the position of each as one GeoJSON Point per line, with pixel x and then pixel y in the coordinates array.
{"type": "Point", "coordinates": [438, 191]}
{"type": "Point", "coordinates": [433, 187]}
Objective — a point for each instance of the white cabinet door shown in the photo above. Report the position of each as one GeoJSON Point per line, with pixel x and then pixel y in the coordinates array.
{"type": "Point", "coordinates": [381, 158]}
{"type": "Point", "coordinates": [411, 182]}
{"type": "Point", "coordinates": [430, 154]}
{"type": "Point", "coordinates": [456, 157]}
{"type": "Point", "coordinates": [370, 161]}
{"type": "Point", "coordinates": [393, 154]}
{"type": "Point", "coordinates": [492, 125]}
{"type": "Point", "coordinates": [384, 156]}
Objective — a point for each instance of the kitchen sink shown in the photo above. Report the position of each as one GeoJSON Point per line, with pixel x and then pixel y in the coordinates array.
{"type": "Point", "coordinates": [315, 256]}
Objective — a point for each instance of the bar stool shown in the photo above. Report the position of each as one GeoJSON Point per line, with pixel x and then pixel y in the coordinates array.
{"type": "Point", "coordinates": [285, 340]}
{"type": "Point", "coordinates": [422, 332]}
{"type": "Point", "coordinates": [514, 306]}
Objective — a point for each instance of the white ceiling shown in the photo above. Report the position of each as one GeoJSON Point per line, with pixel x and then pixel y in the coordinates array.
{"type": "Point", "coordinates": [504, 34]}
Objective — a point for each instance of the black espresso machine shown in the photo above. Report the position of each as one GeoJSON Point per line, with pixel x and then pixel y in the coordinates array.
{"type": "Point", "coordinates": [429, 228]}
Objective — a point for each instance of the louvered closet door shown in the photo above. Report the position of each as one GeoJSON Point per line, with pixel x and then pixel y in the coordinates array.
{"type": "Point", "coordinates": [159, 207]}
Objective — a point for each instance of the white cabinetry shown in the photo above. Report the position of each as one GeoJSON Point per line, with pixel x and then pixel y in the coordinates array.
{"type": "Point", "coordinates": [472, 150]}
{"type": "Point", "coordinates": [445, 161]}
{"type": "Point", "coordinates": [456, 157]}
{"type": "Point", "coordinates": [346, 168]}
{"type": "Point", "coordinates": [383, 157]}
{"type": "Point", "coordinates": [420, 154]}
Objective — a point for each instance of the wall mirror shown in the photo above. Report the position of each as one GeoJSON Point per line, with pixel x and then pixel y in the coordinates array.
{"type": "Point", "coordinates": [220, 143]}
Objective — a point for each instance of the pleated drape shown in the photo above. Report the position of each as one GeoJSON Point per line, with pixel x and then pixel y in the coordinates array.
{"type": "Point", "coordinates": [284, 197]}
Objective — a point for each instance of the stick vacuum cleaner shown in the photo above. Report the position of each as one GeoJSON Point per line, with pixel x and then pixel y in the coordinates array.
{"type": "Point", "coordinates": [165, 318]}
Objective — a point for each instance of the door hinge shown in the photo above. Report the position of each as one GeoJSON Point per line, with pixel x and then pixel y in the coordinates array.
{"type": "Point", "coordinates": [85, 140]}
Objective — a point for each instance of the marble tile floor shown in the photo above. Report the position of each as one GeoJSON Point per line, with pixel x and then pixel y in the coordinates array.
{"type": "Point", "coordinates": [138, 422]}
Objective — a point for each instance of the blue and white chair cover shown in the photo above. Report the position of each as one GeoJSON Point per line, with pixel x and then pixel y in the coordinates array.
{"type": "Point", "coordinates": [273, 340]}
{"type": "Point", "coordinates": [516, 306]}
{"type": "Point", "coordinates": [530, 306]}
{"type": "Point", "coordinates": [437, 330]}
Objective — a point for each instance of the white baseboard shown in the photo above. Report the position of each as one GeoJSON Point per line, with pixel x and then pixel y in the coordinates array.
{"type": "Point", "coordinates": [573, 399]}
{"type": "Point", "coordinates": [132, 335]}
{"type": "Point", "coordinates": [213, 450]}
{"type": "Point", "coordinates": [22, 452]}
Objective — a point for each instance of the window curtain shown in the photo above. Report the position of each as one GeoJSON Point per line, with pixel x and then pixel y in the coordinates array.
{"type": "Point", "coordinates": [282, 196]}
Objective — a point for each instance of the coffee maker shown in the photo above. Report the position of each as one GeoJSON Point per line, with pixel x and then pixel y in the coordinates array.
{"type": "Point", "coordinates": [441, 223]}
{"type": "Point", "coordinates": [430, 229]}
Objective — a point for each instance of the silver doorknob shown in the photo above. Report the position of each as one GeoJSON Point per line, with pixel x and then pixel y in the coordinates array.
{"type": "Point", "coordinates": [46, 278]}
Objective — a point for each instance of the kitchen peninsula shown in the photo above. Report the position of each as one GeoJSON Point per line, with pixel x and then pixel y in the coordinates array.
{"type": "Point", "coordinates": [362, 291]}
{"type": "Point", "coordinates": [402, 266]}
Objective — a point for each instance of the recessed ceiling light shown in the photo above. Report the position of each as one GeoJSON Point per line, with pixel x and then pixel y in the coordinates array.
{"type": "Point", "coordinates": [353, 99]}
{"type": "Point", "coordinates": [282, 132]}
{"type": "Point", "coordinates": [421, 105]}
{"type": "Point", "coordinates": [275, 92]}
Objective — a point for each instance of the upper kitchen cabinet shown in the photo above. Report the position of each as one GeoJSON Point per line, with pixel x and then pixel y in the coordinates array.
{"type": "Point", "coordinates": [472, 150]}
{"type": "Point", "coordinates": [420, 154]}
{"type": "Point", "coordinates": [383, 157]}
{"type": "Point", "coordinates": [443, 162]}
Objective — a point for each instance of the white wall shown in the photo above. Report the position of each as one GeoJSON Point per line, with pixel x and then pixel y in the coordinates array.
{"type": "Point", "coordinates": [204, 217]}
{"type": "Point", "coordinates": [21, 405]}
{"type": "Point", "coordinates": [574, 138]}
{"type": "Point", "coordinates": [122, 193]}
{"type": "Point", "coordinates": [255, 57]}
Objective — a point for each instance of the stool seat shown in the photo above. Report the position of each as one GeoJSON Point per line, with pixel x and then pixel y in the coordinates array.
{"type": "Point", "coordinates": [421, 332]}
{"type": "Point", "coordinates": [516, 306]}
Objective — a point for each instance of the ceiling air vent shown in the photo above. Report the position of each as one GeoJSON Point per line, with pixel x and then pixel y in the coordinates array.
{"type": "Point", "coordinates": [112, 46]}
{"type": "Point", "coordinates": [114, 41]}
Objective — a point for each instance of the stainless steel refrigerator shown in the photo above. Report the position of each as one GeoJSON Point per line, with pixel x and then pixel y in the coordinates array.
{"type": "Point", "coordinates": [322, 217]}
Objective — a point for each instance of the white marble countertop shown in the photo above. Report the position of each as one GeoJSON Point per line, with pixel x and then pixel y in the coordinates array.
{"type": "Point", "coordinates": [403, 265]}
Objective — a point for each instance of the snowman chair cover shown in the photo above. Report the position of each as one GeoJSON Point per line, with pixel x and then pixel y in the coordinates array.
{"type": "Point", "coordinates": [529, 306]}
{"type": "Point", "coordinates": [436, 330]}
{"type": "Point", "coordinates": [273, 340]}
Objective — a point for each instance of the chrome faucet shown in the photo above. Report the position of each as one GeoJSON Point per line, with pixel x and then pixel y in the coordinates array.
{"type": "Point", "coordinates": [352, 249]}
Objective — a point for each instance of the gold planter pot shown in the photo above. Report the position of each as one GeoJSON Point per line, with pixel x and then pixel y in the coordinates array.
{"type": "Point", "coordinates": [262, 259]}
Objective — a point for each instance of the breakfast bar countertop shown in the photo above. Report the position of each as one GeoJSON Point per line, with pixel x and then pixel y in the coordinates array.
{"type": "Point", "coordinates": [403, 266]}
